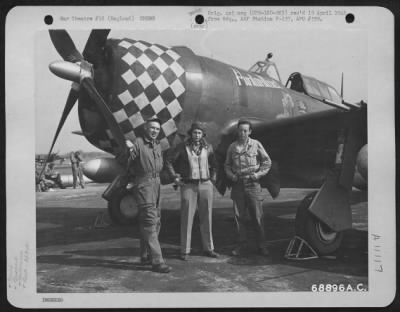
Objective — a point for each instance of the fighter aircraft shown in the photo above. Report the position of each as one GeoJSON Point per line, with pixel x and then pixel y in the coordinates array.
{"type": "Point", "coordinates": [314, 137]}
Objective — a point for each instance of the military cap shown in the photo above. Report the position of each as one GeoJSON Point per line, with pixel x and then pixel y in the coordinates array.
{"type": "Point", "coordinates": [154, 119]}
{"type": "Point", "coordinates": [197, 126]}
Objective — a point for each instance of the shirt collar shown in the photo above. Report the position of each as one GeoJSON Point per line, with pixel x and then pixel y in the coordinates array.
{"type": "Point", "coordinates": [247, 145]}
{"type": "Point", "coordinates": [149, 141]}
{"type": "Point", "coordinates": [203, 143]}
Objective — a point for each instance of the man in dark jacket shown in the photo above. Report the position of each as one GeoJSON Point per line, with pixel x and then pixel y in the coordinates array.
{"type": "Point", "coordinates": [195, 165]}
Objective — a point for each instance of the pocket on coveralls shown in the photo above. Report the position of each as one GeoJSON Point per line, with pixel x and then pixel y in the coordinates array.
{"type": "Point", "coordinates": [143, 193]}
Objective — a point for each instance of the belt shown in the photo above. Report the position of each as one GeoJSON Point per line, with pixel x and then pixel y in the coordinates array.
{"type": "Point", "coordinates": [146, 176]}
{"type": "Point", "coordinates": [246, 178]}
{"type": "Point", "coordinates": [149, 175]}
{"type": "Point", "coordinates": [195, 181]}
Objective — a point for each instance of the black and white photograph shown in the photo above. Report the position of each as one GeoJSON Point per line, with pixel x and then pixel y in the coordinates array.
{"type": "Point", "coordinates": [217, 160]}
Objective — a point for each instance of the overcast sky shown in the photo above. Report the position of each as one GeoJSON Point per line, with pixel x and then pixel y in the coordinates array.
{"type": "Point", "coordinates": [320, 54]}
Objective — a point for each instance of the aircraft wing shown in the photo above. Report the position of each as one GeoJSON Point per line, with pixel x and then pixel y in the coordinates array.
{"type": "Point", "coordinates": [302, 148]}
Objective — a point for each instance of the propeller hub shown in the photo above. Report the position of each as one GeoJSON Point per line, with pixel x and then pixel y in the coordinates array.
{"type": "Point", "coordinates": [66, 70]}
{"type": "Point", "coordinates": [71, 71]}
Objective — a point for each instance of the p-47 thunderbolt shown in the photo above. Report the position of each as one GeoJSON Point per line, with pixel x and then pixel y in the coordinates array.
{"type": "Point", "coordinates": [314, 137]}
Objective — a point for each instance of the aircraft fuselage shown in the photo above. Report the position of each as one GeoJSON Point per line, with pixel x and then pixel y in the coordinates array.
{"type": "Point", "coordinates": [139, 80]}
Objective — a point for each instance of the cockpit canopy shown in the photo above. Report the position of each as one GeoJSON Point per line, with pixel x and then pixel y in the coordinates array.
{"type": "Point", "coordinates": [312, 87]}
{"type": "Point", "coordinates": [266, 68]}
{"type": "Point", "coordinates": [297, 82]}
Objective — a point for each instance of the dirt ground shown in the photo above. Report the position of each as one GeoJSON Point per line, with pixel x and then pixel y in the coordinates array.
{"type": "Point", "coordinates": [74, 256]}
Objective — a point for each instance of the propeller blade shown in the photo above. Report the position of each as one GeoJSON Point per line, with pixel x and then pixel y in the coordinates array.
{"type": "Point", "coordinates": [112, 124]}
{"type": "Point", "coordinates": [64, 45]}
{"type": "Point", "coordinates": [341, 87]}
{"type": "Point", "coordinates": [72, 97]}
{"type": "Point", "coordinates": [78, 132]}
{"type": "Point", "coordinates": [94, 45]}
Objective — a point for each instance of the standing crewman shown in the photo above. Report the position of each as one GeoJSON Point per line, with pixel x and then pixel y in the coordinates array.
{"type": "Point", "coordinates": [246, 162]}
{"type": "Point", "coordinates": [145, 165]}
{"type": "Point", "coordinates": [195, 173]}
{"type": "Point", "coordinates": [76, 160]}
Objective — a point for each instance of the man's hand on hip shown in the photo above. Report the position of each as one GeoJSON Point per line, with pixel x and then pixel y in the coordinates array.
{"type": "Point", "coordinates": [253, 177]}
{"type": "Point", "coordinates": [129, 144]}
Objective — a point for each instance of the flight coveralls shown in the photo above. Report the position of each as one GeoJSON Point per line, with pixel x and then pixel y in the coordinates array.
{"type": "Point", "coordinates": [145, 165]}
{"type": "Point", "coordinates": [246, 193]}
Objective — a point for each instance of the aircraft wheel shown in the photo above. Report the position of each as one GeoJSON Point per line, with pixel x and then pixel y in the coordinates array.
{"type": "Point", "coordinates": [122, 208]}
{"type": "Point", "coordinates": [322, 239]}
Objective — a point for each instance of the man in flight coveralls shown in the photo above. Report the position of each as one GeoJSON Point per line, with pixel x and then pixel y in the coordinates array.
{"type": "Point", "coordinates": [145, 165]}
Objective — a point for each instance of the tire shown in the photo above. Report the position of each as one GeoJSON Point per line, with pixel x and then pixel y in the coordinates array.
{"type": "Point", "coordinates": [320, 237]}
{"type": "Point", "coordinates": [122, 208]}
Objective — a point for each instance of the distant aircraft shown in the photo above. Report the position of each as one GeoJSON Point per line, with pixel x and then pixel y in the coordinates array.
{"type": "Point", "coordinates": [42, 158]}
{"type": "Point", "coordinates": [314, 137]}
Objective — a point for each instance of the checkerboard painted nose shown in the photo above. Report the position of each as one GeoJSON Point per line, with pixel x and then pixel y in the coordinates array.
{"type": "Point", "coordinates": [148, 81]}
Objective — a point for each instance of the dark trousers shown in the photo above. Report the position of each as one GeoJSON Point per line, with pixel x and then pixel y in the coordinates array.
{"type": "Point", "coordinates": [247, 200]}
{"type": "Point", "coordinates": [147, 195]}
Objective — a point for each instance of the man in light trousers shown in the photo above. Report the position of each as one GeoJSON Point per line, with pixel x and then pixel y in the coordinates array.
{"type": "Point", "coordinates": [193, 167]}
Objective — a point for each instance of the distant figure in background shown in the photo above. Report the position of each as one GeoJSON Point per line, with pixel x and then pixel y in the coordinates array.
{"type": "Point", "coordinates": [52, 175]}
{"type": "Point", "coordinates": [40, 180]}
{"type": "Point", "coordinates": [76, 160]}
